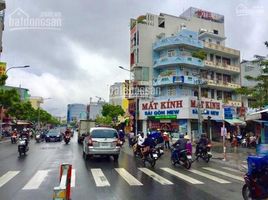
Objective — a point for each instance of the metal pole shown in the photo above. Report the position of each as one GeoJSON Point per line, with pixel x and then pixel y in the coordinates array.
{"type": "Point", "coordinates": [38, 118]}
{"type": "Point", "coordinates": [199, 109]}
{"type": "Point", "coordinates": [1, 122]}
{"type": "Point", "coordinates": [136, 116]}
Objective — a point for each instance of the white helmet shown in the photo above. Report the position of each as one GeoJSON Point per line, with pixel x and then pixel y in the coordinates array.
{"type": "Point", "coordinates": [24, 129]}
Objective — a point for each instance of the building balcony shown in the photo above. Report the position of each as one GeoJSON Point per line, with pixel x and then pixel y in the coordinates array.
{"type": "Point", "coordinates": [222, 67]}
{"type": "Point", "coordinates": [176, 41]}
{"type": "Point", "coordinates": [175, 60]}
{"type": "Point", "coordinates": [222, 84]}
{"type": "Point", "coordinates": [223, 49]}
{"type": "Point", "coordinates": [169, 80]}
{"type": "Point", "coordinates": [2, 5]}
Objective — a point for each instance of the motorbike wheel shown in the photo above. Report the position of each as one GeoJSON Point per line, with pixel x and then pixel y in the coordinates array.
{"type": "Point", "coordinates": [187, 164]}
{"type": "Point", "coordinates": [246, 192]}
{"type": "Point", "coordinates": [173, 162]}
{"type": "Point", "coordinates": [20, 153]}
{"type": "Point", "coordinates": [207, 158]}
{"type": "Point", "coordinates": [152, 162]}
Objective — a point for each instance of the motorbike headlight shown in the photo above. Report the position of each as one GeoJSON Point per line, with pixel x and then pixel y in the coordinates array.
{"type": "Point", "coordinates": [58, 135]}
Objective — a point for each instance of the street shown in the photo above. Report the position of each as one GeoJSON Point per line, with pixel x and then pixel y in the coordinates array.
{"type": "Point", "coordinates": [35, 175]}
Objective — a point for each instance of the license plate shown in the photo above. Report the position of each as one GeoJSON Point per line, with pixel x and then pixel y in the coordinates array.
{"type": "Point", "coordinates": [104, 144]}
{"type": "Point", "coordinates": [52, 139]}
{"type": "Point", "coordinates": [155, 155]}
{"type": "Point", "coordinates": [189, 157]}
{"type": "Point", "coordinates": [209, 153]}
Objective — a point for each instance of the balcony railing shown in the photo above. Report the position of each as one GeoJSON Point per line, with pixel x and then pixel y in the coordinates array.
{"type": "Point", "coordinates": [177, 40]}
{"type": "Point", "coordinates": [164, 80]}
{"type": "Point", "coordinates": [221, 48]}
{"type": "Point", "coordinates": [222, 84]}
{"type": "Point", "coordinates": [183, 60]}
{"type": "Point", "coordinates": [222, 66]}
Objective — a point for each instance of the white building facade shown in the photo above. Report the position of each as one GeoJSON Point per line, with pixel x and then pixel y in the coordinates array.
{"type": "Point", "coordinates": [165, 55]}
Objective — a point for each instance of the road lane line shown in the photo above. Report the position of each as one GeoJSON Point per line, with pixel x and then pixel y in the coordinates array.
{"type": "Point", "coordinates": [131, 180]}
{"type": "Point", "coordinates": [231, 169]}
{"type": "Point", "coordinates": [156, 177]}
{"type": "Point", "coordinates": [99, 177]}
{"type": "Point", "coordinates": [7, 177]}
{"type": "Point", "coordinates": [239, 178]}
{"type": "Point", "coordinates": [182, 176]}
{"type": "Point", "coordinates": [73, 178]}
{"type": "Point", "coordinates": [214, 178]}
{"type": "Point", "coordinates": [36, 180]}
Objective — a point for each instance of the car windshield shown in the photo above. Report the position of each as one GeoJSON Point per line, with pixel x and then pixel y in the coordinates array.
{"type": "Point", "coordinates": [53, 133]}
{"type": "Point", "coordinates": [103, 133]}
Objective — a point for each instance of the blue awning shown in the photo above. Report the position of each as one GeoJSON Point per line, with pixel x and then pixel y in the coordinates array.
{"type": "Point", "coordinates": [260, 121]}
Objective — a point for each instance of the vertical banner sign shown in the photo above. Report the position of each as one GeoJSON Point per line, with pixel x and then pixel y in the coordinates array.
{"type": "Point", "coordinates": [2, 68]}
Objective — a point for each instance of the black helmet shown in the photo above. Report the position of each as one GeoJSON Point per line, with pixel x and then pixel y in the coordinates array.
{"type": "Point", "coordinates": [181, 135]}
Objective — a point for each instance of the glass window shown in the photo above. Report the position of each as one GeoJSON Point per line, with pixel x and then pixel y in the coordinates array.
{"type": "Point", "coordinates": [171, 53]}
{"type": "Point", "coordinates": [171, 91]}
{"type": "Point", "coordinates": [103, 133]}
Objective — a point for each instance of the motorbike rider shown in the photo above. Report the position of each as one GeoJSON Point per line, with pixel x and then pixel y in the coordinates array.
{"type": "Point", "coordinates": [202, 143]}
{"type": "Point", "coordinates": [122, 135]}
{"type": "Point", "coordinates": [67, 132]}
{"type": "Point", "coordinates": [179, 145]}
{"type": "Point", "coordinates": [140, 141]}
{"type": "Point", "coordinates": [146, 146]}
{"type": "Point", "coordinates": [24, 134]}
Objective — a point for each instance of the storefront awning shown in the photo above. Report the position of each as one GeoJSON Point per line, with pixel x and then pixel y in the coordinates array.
{"type": "Point", "coordinates": [260, 121]}
{"type": "Point", "coordinates": [235, 122]}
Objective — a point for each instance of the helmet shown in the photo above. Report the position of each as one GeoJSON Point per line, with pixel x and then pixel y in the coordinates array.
{"type": "Point", "coordinates": [24, 129]}
{"type": "Point", "coordinates": [181, 135]}
{"type": "Point", "coordinates": [15, 129]}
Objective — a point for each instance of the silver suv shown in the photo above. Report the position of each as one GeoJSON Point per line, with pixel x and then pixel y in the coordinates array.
{"type": "Point", "coordinates": [102, 141]}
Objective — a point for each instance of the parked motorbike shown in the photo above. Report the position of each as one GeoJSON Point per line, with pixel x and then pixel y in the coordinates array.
{"type": "Point", "coordinates": [204, 153]}
{"type": "Point", "coordinates": [23, 146]}
{"type": "Point", "coordinates": [13, 139]}
{"type": "Point", "coordinates": [183, 159]}
{"type": "Point", "coordinates": [67, 139]}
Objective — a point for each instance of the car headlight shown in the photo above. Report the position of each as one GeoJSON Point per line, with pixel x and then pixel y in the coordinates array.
{"type": "Point", "coordinates": [58, 135]}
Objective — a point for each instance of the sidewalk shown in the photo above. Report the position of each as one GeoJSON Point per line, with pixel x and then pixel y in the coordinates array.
{"type": "Point", "coordinates": [4, 139]}
{"type": "Point", "coordinates": [235, 157]}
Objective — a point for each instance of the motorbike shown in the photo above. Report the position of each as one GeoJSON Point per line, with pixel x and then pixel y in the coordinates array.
{"type": "Point", "coordinates": [38, 138]}
{"type": "Point", "coordinates": [183, 159]}
{"type": "Point", "coordinates": [159, 149]}
{"type": "Point", "coordinates": [13, 139]}
{"type": "Point", "coordinates": [150, 157]}
{"type": "Point", "coordinates": [252, 189]}
{"type": "Point", "coordinates": [67, 139]}
{"type": "Point", "coordinates": [23, 146]}
{"type": "Point", "coordinates": [204, 153]}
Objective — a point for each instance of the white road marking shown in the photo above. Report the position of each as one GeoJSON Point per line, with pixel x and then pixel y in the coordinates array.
{"type": "Point", "coordinates": [99, 177]}
{"type": "Point", "coordinates": [156, 177]}
{"type": "Point", "coordinates": [231, 169]}
{"type": "Point", "coordinates": [245, 166]}
{"type": "Point", "coordinates": [214, 178]}
{"type": "Point", "coordinates": [182, 176]}
{"type": "Point", "coordinates": [7, 177]}
{"type": "Point", "coordinates": [73, 178]}
{"type": "Point", "coordinates": [224, 173]}
{"type": "Point", "coordinates": [36, 180]}
{"type": "Point", "coordinates": [131, 180]}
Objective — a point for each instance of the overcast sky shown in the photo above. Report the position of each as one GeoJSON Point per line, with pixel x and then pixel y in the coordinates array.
{"type": "Point", "coordinates": [78, 59]}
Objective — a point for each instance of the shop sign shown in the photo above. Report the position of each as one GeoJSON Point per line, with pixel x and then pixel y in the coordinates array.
{"type": "Point", "coordinates": [166, 117]}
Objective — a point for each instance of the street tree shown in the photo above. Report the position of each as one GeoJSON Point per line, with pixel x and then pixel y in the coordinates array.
{"type": "Point", "coordinates": [112, 111]}
{"type": "Point", "coordinates": [259, 92]}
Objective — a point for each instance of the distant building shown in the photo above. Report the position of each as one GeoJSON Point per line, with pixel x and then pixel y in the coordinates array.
{"type": "Point", "coordinates": [95, 109]}
{"type": "Point", "coordinates": [23, 92]}
{"type": "Point", "coordinates": [119, 93]}
{"type": "Point", "coordinates": [2, 19]}
{"type": "Point", "coordinates": [36, 102]}
{"type": "Point", "coordinates": [76, 112]}
{"type": "Point", "coordinates": [249, 68]}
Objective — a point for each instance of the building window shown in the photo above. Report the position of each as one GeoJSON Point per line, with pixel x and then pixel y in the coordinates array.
{"type": "Point", "coordinates": [219, 95]}
{"type": "Point", "coordinates": [211, 57]}
{"type": "Point", "coordinates": [212, 94]}
{"type": "Point", "coordinates": [215, 31]}
{"type": "Point", "coordinates": [171, 53]}
{"type": "Point", "coordinates": [161, 22]}
{"type": "Point", "coordinates": [171, 91]}
{"type": "Point", "coordinates": [218, 42]}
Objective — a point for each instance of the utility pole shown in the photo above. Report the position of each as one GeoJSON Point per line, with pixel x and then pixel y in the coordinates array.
{"type": "Point", "coordinates": [199, 109]}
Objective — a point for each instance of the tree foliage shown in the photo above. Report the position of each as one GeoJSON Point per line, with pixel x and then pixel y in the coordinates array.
{"type": "Point", "coordinates": [199, 54]}
{"type": "Point", "coordinates": [112, 111]}
{"type": "Point", "coordinates": [104, 120]}
{"type": "Point", "coordinates": [259, 92]}
{"type": "Point", "coordinates": [3, 79]}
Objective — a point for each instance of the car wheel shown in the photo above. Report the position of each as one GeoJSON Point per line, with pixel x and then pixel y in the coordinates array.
{"type": "Point", "coordinates": [115, 158]}
{"type": "Point", "coordinates": [85, 156]}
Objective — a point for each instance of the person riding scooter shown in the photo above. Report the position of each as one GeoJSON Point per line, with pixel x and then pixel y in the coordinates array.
{"type": "Point", "coordinates": [201, 144]}
{"type": "Point", "coordinates": [146, 146]}
{"type": "Point", "coordinates": [179, 146]}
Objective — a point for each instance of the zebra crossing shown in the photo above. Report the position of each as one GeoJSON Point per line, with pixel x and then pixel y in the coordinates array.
{"type": "Point", "coordinates": [223, 175]}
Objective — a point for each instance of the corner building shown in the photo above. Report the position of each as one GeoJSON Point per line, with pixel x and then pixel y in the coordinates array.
{"type": "Point", "coordinates": [165, 55]}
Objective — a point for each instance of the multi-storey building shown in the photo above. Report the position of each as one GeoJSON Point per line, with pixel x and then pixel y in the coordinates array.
{"type": "Point", "coordinates": [119, 93]}
{"type": "Point", "coordinates": [173, 55]}
{"type": "Point", "coordinates": [2, 17]}
{"type": "Point", "coordinates": [76, 112]}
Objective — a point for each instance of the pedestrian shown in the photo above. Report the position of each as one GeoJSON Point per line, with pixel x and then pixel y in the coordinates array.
{"type": "Point", "coordinates": [166, 139]}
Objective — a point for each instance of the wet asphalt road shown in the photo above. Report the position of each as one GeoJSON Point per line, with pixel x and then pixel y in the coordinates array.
{"type": "Point", "coordinates": [33, 177]}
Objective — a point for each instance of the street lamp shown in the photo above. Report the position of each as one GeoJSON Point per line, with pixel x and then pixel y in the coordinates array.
{"type": "Point", "coordinates": [26, 66]}
{"type": "Point", "coordinates": [136, 104]}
